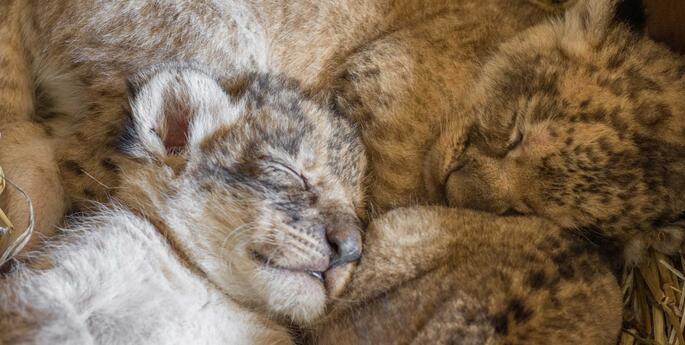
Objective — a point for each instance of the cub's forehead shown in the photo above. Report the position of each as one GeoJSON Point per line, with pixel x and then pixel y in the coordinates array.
{"type": "Point", "coordinates": [275, 120]}
{"type": "Point", "coordinates": [264, 136]}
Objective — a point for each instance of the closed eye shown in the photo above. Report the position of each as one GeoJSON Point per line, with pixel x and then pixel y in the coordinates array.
{"type": "Point", "coordinates": [284, 168]}
{"type": "Point", "coordinates": [515, 141]}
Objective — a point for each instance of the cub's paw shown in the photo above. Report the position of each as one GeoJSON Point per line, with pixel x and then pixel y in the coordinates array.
{"type": "Point", "coordinates": [670, 238]}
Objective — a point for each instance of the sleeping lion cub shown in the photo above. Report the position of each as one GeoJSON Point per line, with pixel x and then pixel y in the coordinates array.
{"type": "Point", "coordinates": [234, 215]}
{"type": "Point", "coordinates": [580, 121]}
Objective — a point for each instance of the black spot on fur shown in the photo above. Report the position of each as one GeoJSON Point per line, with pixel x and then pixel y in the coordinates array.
{"type": "Point", "coordinates": [563, 261]}
{"type": "Point", "coordinates": [652, 114]}
{"type": "Point", "coordinates": [638, 83]}
{"type": "Point", "coordinates": [584, 104]}
{"type": "Point", "coordinates": [519, 310]}
{"type": "Point", "coordinates": [500, 323]}
{"type": "Point", "coordinates": [73, 167]}
{"type": "Point", "coordinates": [109, 164]}
{"type": "Point", "coordinates": [89, 193]}
{"type": "Point", "coordinates": [536, 279]}
{"type": "Point", "coordinates": [516, 310]}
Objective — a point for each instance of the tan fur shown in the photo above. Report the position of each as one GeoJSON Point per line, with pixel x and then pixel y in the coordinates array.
{"type": "Point", "coordinates": [446, 276]}
{"type": "Point", "coordinates": [72, 60]}
{"type": "Point", "coordinates": [79, 53]}
{"type": "Point", "coordinates": [37, 175]}
{"type": "Point", "coordinates": [38, 172]}
{"type": "Point", "coordinates": [579, 121]}
{"type": "Point", "coordinates": [398, 69]}
{"type": "Point", "coordinates": [394, 298]}
{"type": "Point", "coordinates": [402, 87]}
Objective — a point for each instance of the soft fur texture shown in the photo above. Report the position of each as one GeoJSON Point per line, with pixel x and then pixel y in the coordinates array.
{"type": "Point", "coordinates": [64, 67]}
{"type": "Point", "coordinates": [580, 121]}
{"type": "Point", "coordinates": [242, 178]}
{"type": "Point", "coordinates": [446, 276]}
{"type": "Point", "coordinates": [396, 68]}
{"type": "Point", "coordinates": [397, 125]}
{"type": "Point", "coordinates": [117, 281]}
{"type": "Point", "coordinates": [65, 64]}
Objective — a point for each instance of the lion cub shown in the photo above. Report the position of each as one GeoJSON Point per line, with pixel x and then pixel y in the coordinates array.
{"type": "Point", "coordinates": [235, 206]}
{"type": "Point", "coordinates": [580, 121]}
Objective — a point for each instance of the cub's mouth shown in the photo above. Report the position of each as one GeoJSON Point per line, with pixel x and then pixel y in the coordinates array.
{"type": "Point", "coordinates": [264, 261]}
{"type": "Point", "coordinates": [332, 279]}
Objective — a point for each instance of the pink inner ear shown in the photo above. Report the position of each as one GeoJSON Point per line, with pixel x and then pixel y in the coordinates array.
{"type": "Point", "coordinates": [176, 136]}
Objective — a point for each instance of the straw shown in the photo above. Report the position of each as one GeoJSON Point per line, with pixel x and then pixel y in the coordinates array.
{"type": "Point", "coordinates": [654, 295]}
{"type": "Point", "coordinates": [9, 245]}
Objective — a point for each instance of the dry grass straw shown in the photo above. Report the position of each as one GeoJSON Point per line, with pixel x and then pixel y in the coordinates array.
{"type": "Point", "coordinates": [654, 301]}
{"type": "Point", "coordinates": [5, 222]}
{"type": "Point", "coordinates": [12, 242]}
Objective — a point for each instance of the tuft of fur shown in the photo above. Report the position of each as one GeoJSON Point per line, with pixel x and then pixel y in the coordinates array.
{"type": "Point", "coordinates": [579, 121]}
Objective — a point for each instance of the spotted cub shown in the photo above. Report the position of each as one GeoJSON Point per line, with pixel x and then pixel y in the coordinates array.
{"type": "Point", "coordinates": [237, 212]}
{"type": "Point", "coordinates": [580, 121]}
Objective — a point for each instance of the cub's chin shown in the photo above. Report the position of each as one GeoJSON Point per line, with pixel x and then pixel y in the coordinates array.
{"type": "Point", "coordinates": [297, 296]}
{"type": "Point", "coordinates": [301, 296]}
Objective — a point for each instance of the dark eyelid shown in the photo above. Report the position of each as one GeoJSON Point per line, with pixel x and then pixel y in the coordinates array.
{"type": "Point", "coordinates": [292, 171]}
{"type": "Point", "coordinates": [517, 140]}
{"type": "Point", "coordinates": [458, 159]}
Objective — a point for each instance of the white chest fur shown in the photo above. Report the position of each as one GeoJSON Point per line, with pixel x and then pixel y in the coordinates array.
{"type": "Point", "coordinates": [116, 281]}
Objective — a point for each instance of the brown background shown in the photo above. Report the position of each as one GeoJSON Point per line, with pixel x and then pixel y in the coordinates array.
{"type": "Point", "coordinates": [666, 22]}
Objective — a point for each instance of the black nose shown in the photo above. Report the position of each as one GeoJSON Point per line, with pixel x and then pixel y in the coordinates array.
{"type": "Point", "coordinates": [346, 241]}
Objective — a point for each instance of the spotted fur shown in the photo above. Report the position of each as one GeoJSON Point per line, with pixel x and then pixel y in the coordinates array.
{"type": "Point", "coordinates": [397, 69]}
{"type": "Point", "coordinates": [78, 54]}
{"type": "Point", "coordinates": [433, 275]}
{"type": "Point", "coordinates": [580, 121]}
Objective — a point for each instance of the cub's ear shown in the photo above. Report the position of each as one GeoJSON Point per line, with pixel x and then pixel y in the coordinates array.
{"type": "Point", "coordinates": [172, 110]}
{"type": "Point", "coordinates": [586, 24]}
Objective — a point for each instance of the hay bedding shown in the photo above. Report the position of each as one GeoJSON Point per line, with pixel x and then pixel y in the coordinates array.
{"type": "Point", "coordinates": [654, 301]}
{"type": "Point", "coordinates": [653, 291]}
{"type": "Point", "coordinates": [12, 241]}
